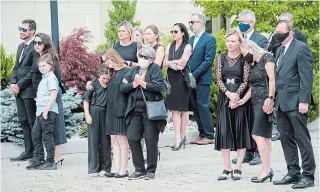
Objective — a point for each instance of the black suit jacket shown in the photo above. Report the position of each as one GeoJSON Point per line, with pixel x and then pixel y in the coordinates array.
{"type": "Point", "coordinates": [294, 77]}
{"type": "Point", "coordinates": [259, 39]}
{"type": "Point", "coordinates": [22, 69]}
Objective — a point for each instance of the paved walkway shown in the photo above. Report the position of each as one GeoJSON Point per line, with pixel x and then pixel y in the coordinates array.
{"type": "Point", "coordinates": [193, 169]}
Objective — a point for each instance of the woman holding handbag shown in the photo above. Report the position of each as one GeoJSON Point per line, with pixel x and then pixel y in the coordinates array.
{"type": "Point", "coordinates": [261, 92]}
{"type": "Point", "coordinates": [144, 85]}
{"type": "Point", "coordinates": [177, 56]}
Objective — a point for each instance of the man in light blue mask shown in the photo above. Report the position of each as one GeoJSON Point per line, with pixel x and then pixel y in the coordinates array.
{"type": "Point", "coordinates": [247, 20]}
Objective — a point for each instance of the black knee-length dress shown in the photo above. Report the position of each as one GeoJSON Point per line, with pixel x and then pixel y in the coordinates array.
{"type": "Point", "coordinates": [232, 131]}
{"type": "Point", "coordinates": [258, 79]}
{"type": "Point", "coordinates": [116, 105]}
{"type": "Point", "coordinates": [178, 99]}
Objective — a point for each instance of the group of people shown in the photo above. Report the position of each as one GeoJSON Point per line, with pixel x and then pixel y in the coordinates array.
{"type": "Point", "coordinates": [253, 85]}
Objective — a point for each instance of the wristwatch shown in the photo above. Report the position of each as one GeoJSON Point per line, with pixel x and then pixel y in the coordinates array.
{"type": "Point", "coordinates": [271, 97]}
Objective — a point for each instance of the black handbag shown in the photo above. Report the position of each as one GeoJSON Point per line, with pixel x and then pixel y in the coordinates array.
{"type": "Point", "coordinates": [156, 110]}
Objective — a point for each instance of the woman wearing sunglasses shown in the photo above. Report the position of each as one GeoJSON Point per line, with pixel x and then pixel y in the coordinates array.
{"type": "Point", "coordinates": [147, 80]}
{"type": "Point", "coordinates": [43, 45]}
{"type": "Point", "coordinates": [177, 56]}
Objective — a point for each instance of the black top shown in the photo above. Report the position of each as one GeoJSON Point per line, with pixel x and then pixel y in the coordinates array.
{"type": "Point", "coordinates": [258, 79]}
{"type": "Point", "coordinates": [97, 96]}
{"type": "Point", "coordinates": [128, 53]}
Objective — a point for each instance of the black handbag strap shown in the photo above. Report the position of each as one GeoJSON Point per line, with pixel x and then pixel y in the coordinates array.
{"type": "Point", "coordinates": [144, 98]}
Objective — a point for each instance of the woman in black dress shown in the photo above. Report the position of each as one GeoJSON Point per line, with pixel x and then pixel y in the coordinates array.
{"type": "Point", "coordinates": [143, 80]}
{"type": "Point", "coordinates": [126, 47]}
{"type": "Point", "coordinates": [116, 107]}
{"type": "Point", "coordinates": [43, 45]}
{"type": "Point", "coordinates": [232, 132]}
{"type": "Point", "coordinates": [177, 56]}
{"type": "Point", "coordinates": [261, 92]}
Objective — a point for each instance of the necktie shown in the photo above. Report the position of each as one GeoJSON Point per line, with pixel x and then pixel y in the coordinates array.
{"type": "Point", "coordinates": [281, 54]}
{"type": "Point", "coordinates": [245, 37]}
{"type": "Point", "coordinates": [23, 50]}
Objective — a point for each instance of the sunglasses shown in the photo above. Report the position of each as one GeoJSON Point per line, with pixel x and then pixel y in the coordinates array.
{"type": "Point", "coordinates": [24, 30]}
{"type": "Point", "coordinates": [174, 31]}
{"type": "Point", "coordinates": [192, 22]}
{"type": "Point", "coordinates": [38, 42]}
{"type": "Point", "coordinates": [142, 56]}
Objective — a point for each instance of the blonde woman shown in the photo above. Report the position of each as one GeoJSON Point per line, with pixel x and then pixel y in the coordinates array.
{"type": "Point", "coordinates": [232, 132]}
{"type": "Point", "coordinates": [116, 107]}
{"type": "Point", "coordinates": [261, 92]}
{"type": "Point", "coordinates": [126, 47]}
{"type": "Point", "coordinates": [138, 35]}
{"type": "Point", "coordinates": [152, 38]}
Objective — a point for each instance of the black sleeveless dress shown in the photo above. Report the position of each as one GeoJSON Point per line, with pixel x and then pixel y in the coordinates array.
{"type": "Point", "coordinates": [127, 53]}
{"type": "Point", "coordinates": [232, 131]}
{"type": "Point", "coordinates": [258, 79]}
{"type": "Point", "coordinates": [178, 99]}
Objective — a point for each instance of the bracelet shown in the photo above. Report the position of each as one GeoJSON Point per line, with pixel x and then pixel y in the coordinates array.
{"type": "Point", "coordinates": [271, 97]}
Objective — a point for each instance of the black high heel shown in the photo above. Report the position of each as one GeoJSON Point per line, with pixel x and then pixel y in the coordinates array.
{"type": "Point", "coordinates": [159, 154]}
{"type": "Point", "coordinates": [60, 161]}
{"type": "Point", "coordinates": [268, 176]}
{"type": "Point", "coordinates": [182, 143]}
{"type": "Point", "coordinates": [225, 175]}
{"type": "Point", "coordinates": [236, 171]}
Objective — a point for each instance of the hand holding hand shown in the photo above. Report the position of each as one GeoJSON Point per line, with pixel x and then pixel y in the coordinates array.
{"type": "Point", "coordinates": [233, 105]}
{"type": "Point", "coordinates": [268, 106]}
{"type": "Point", "coordinates": [234, 97]}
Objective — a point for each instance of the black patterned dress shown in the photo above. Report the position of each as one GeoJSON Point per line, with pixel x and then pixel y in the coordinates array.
{"type": "Point", "coordinates": [258, 79]}
{"type": "Point", "coordinates": [232, 131]}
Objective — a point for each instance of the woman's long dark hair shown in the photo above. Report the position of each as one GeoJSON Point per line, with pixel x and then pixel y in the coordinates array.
{"type": "Point", "coordinates": [184, 30]}
{"type": "Point", "coordinates": [48, 47]}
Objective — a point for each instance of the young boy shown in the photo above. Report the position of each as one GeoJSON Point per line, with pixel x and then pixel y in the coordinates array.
{"type": "Point", "coordinates": [47, 110]}
{"type": "Point", "coordinates": [95, 105]}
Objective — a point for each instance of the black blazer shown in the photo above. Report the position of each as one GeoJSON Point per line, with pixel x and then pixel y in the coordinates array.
{"type": "Point", "coordinates": [20, 73]}
{"type": "Point", "coordinates": [154, 89]}
{"type": "Point", "coordinates": [259, 39]}
{"type": "Point", "coordinates": [294, 77]}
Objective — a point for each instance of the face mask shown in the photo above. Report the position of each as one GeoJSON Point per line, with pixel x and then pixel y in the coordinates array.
{"type": "Point", "coordinates": [282, 37]}
{"type": "Point", "coordinates": [248, 58]}
{"type": "Point", "coordinates": [244, 27]}
{"type": "Point", "coordinates": [143, 63]}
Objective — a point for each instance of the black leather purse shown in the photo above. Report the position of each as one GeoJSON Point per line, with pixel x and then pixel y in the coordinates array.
{"type": "Point", "coordinates": [156, 110]}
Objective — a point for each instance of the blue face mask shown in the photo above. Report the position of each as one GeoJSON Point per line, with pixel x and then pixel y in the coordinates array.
{"type": "Point", "coordinates": [244, 27]}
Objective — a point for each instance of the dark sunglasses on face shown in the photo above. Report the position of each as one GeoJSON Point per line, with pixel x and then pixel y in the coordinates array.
{"type": "Point", "coordinates": [38, 42]}
{"type": "Point", "coordinates": [174, 31]}
{"type": "Point", "coordinates": [192, 22]}
{"type": "Point", "coordinates": [142, 56]}
{"type": "Point", "coordinates": [22, 29]}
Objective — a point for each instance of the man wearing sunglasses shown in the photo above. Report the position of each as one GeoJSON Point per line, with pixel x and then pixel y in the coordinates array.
{"type": "Point", "coordinates": [21, 85]}
{"type": "Point", "coordinates": [200, 61]}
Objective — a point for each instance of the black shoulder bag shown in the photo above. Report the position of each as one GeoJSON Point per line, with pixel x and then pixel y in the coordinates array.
{"type": "Point", "coordinates": [156, 110]}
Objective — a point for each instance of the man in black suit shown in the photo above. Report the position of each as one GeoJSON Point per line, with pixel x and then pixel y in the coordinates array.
{"type": "Point", "coordinates": [294, 79]}
{"type": "Point", "coordinates": [204, 50]}
{"type": "Point", "coordinates": [22, 87]}
{"type": "Point", "coordinates": [275, 43]}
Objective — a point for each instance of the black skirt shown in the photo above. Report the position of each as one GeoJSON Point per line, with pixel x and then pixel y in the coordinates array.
{"type": "Point", "coordinates": [59, 131]}
{"type": "Point", "coordinates": [261, 126]}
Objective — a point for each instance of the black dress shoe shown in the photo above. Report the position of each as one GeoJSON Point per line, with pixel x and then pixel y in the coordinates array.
{"type": "Point", "coordinates": [276, 137]}
{"type": "Point", "coordinates": [22, 157]}
{"type": "Point", "coordinates": [110, 174]}
{"type": "Point", "coordinates": [117, 175]}
{"type": "Point", "coordinates": [303, 183]}
{"type": "Point", "coordinates": [286, 180]}
{"type": "Point", "coordinates": [246, 159]}
{"type": "Point", "coordinates": [256, 160]}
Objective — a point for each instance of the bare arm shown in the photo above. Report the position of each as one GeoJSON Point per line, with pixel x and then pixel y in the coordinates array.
{"type": "Point", "coordinates": [53, 97]}
{"type": "Point", "coordinates": [159, 55]}
{"type": "Point", "coordinates": [185, 56]}
{"type": "Point", "coordinates": [269, 67]}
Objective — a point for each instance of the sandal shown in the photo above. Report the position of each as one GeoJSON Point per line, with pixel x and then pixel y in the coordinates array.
{"type": "Point", "coordinates": [225, 174]}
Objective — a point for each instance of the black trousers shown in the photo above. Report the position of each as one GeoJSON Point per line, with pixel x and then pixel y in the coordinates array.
{"type": "Point", "coordinates": [26, 114]}
{"type": "Point", "coordinates": [139, 125]}
{"type": "Point", "coordinates": [42, 134]}
{"type": "Point", "coordinates": [199, 103]}
{"type": "Point", "coordinates": [294, 133]}
{"type": "Point", "coordinates": [99, 144]}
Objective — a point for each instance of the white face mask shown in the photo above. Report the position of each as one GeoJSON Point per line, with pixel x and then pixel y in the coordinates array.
{"type": "Point", "coordinates": [143, 63]}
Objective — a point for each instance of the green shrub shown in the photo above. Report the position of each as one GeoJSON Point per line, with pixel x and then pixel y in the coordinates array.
{"type": "Point", "coordinates": [84, 131]}
{"type": "Point", "coordinates": [7, 64]}
{"type": "Point", "coordinates": [314, 111]}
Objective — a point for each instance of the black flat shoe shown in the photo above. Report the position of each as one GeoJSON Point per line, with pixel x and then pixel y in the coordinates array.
{"type": "Point", "coordinates": [268, 176]}
{"type": "Point", "coordinates": [287, 180]}
{"type": "Point", "coordinates": [117, 175]}
{"type": "Point", "coordinates": [110, 174]}
{"type": "Point", "coordinates": [236, 171]}
{"type": "Point", "coordinates": [225, 175]}
{"type": "Point", "coordinates": [303, 183]}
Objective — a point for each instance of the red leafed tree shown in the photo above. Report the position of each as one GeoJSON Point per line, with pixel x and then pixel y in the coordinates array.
{"type": "Point", "coordinates": [76, 63]}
